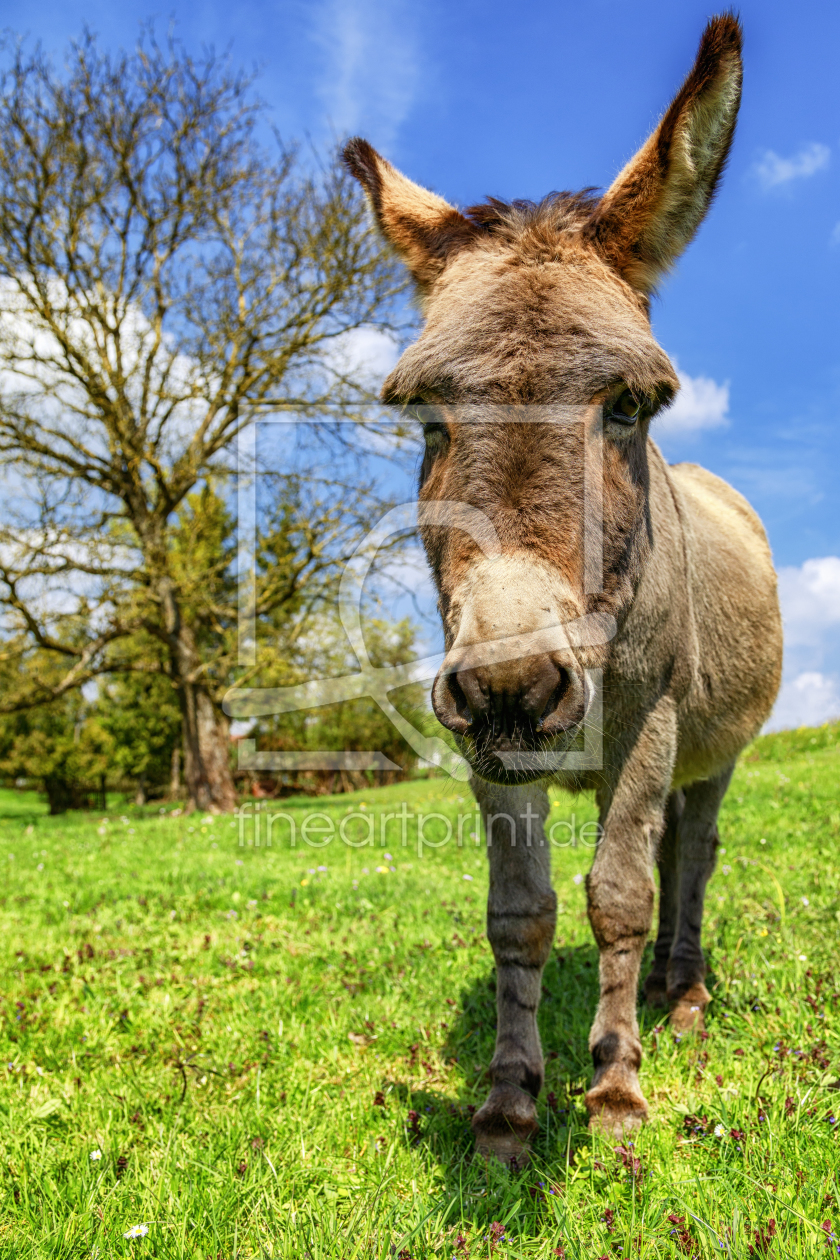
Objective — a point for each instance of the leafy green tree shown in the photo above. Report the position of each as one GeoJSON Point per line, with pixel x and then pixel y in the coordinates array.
{"type": "Point", "coordinates": [357, 725]}
{"type": "Point", "coordinates": [140, 714]}
{"type": "Point", "coordinates": [61, 744]}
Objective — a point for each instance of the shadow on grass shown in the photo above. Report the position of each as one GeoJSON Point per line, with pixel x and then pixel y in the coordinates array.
{"type": "Point", "coordinates": [477, 1195]}
{"type": "Point", "coordinates": [437, 1124]}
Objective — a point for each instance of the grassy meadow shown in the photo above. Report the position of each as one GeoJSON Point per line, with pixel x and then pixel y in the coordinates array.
{"type": "Point", "coordinates": [230, 1050]}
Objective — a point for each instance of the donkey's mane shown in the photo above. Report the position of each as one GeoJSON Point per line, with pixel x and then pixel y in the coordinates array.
{"type": "Point", "coordinates": [559, 212]}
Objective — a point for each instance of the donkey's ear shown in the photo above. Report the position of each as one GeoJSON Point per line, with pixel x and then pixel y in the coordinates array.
{"type": "Point", "coordinates": [651, 212]}
{"type": "Point", "coordinates": [423, 228]}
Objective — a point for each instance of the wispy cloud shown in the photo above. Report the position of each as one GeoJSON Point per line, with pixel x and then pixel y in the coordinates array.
{"type": "Point", "coordinates": [808, 699]}
{"type": "Point", "coordinates": [772, 171]}
{"type": "Point", "coordinates": [810, 599]}
{"type": "Point", "coordinates": [365, 354]}
{"type": "Point", "coordinates": [701, 404]}
{"type": "Point", "coordinates": [371, 67]}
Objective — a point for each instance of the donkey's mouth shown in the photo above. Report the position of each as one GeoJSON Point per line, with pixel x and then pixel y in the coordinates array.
{"type": "Point", "coordinates": [519, 756]}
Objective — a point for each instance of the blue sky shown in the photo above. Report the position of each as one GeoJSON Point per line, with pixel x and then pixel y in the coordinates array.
{"type": "Point", "coordinates": [474, 98]}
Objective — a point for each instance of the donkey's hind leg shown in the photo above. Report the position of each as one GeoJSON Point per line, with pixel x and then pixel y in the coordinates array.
{"type": "Point", "coordinates": [656, 983]}
{"type": "Point", "coordinates": [697, 843]}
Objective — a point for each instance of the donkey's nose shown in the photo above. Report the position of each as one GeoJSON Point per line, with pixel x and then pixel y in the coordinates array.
{"type": "Point", "coordinates": [510, 704]}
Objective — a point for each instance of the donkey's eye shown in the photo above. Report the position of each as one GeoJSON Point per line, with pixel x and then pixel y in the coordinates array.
{"type": "Point", "coordinates": [437, 438]}
{"type": "Point", "coordinates": [626, 409]}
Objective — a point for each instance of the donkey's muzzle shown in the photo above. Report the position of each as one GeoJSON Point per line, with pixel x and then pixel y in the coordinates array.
{"type": "Point", "coordinates": [513, 707]}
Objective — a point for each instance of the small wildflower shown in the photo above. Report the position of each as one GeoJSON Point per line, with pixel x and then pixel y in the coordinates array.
{"type": "Point", "coordinates": [803, 957]}
{"type": "Point", "coordinates": [805, 901]}
{"type": "Point", "coordinates": [720, 1131]}
{"type": "Point", "coordinates": [97, 1154]}
{"type": "Point", "coordinates": [136, 1231]}
{"type": "Point", "coordinates": [577, 879]}
{"type": "Point", "coordinates": [680, 1231]}
{"type": "Point", "coordinates": [467, 877]}
{"type": "Point", "coordinates": [763, 1239]}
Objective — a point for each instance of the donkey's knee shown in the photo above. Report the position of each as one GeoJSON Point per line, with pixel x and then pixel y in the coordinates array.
{"type": "Point", "coordinates": [522, 937]}
{"type": "Point", "coordinates": [620, 909]}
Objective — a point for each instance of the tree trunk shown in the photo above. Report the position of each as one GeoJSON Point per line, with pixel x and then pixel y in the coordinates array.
{"type": "Point", "coordinates": [207, 772]}
{"type": "Point", "coordinates": [206, 737]}
{"type": "Point", "coordinates": [140, 794]}
{"type": "Point", "coordinates": [175, 777]}
{"type": "Point", "coordinates": [59, 793]}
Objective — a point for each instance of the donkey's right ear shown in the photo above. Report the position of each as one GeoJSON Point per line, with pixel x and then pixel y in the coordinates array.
{"type": "Point", "coordinates": [423, 228]}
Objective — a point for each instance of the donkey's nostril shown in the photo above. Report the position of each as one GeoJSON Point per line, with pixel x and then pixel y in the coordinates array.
{"type": "Point", "coordinates": [450, 704]}
{"type": "Point", "coordinates": [566, 706]}
{"type": "Point", "coordinates": [555, 700]}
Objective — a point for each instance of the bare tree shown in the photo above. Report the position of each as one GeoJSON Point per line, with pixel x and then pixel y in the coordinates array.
{"type": "Point", "coordinates": [164, 279]}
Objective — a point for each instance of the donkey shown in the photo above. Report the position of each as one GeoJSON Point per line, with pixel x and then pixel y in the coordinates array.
{"type": "Point", "coordinates": [547, 306]}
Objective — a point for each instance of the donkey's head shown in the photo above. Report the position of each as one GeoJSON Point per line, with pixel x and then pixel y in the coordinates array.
{"type": "Point", "coordinates": [537, 361]}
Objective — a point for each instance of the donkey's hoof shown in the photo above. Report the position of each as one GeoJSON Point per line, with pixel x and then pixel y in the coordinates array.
{"type": "Point", "coordinates": [615, 1103]}
{"type": "Point", "coordinates": [687, 1012]}
{"type": "Point", "coordinates": [656, 992]}
{"type": "Point", "coordinates": [617, 1124]}
{"type": "Point", "coordinates": [506, 1148]}
{"type": "Point", "coordinates": [504, 1126]}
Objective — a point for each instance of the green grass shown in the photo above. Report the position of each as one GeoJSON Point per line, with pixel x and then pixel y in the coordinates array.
{"type": "Point", "coordinates": [279, 1060]}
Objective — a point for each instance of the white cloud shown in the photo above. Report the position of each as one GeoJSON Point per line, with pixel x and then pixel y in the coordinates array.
{"type": "Point", "coordinates": [700, 404]}
{"type": "Point", "coordinates": [372, 66]}
{"type": "Point", "coordinates": [364, 354]}
{"type": "Point", "coordinates": [810, 599]}
{"type": "Point", "coordinates": [772, 170]}
{"type": "Point", "coordinates": [809, 699]}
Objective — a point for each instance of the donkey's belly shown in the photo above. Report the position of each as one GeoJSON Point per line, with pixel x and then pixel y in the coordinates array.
{"type": "Point", "coordinates": [736, 616]}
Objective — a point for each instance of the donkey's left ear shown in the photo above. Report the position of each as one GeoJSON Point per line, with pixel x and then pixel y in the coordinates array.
{"type": "Point", "coordinates": [423, 228]}
{"type": "Point", "coordinates": [651, 212]}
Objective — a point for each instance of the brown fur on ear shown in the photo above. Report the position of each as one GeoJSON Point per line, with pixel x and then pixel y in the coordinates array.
{"type": "Point", "coordinates": [423, 228]}
{"type": "Point", "coordinates": [654, 207]}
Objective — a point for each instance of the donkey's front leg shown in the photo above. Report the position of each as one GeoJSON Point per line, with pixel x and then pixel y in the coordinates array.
{"type": "Point", "coordinates": [620, 893]}
{"type": "Point", "coordinates": [521, 918]}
